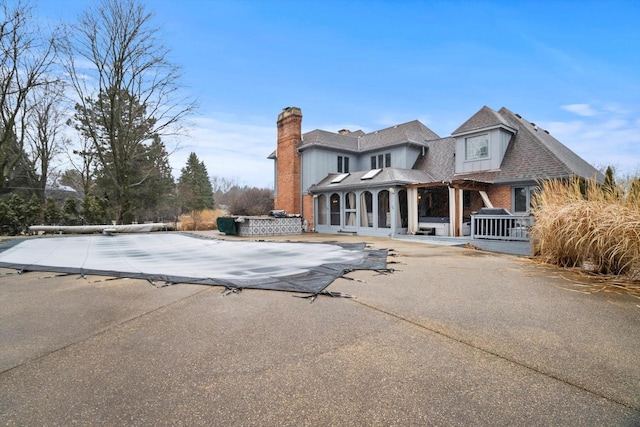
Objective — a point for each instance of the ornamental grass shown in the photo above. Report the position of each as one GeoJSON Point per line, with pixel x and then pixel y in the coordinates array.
{"type": "Point", "coordinates": [586, 225]}
{"type": "Point", "coordinates": [200, 220]}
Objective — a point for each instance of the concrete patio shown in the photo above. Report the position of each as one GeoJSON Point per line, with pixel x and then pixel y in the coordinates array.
{"type": "Point", "coordinates": [452, 336]}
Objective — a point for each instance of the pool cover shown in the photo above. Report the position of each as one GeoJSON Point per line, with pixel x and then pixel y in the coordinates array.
{"type": "Point", "coordinates": [180, 258]}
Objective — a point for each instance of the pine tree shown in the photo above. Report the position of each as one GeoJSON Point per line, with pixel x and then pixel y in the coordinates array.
{"type": "Point", "coordinates": [194, 186]}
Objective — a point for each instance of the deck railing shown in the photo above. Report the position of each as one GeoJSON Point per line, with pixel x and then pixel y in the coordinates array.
{"type": "Point", "coordinates": [501, 227]}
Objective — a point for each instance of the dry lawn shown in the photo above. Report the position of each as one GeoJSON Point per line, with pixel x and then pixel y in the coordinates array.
{"type": "Point", "coordinates": [200, 220]}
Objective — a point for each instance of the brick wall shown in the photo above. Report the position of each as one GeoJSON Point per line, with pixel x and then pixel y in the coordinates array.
{"type": "Point", "coordinates": [307, 210]}
{"type": "Point", "coordinates": [500, 196]}
{"type": "Point", "coordinates": [288, 161]}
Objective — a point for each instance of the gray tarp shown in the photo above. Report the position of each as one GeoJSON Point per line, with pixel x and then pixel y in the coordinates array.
{"type": "Point", "coordinates": [179, 258]}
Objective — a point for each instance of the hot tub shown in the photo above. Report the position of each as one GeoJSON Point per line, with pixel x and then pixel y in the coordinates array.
{"type": "Point", "coordinates": [262, 225]}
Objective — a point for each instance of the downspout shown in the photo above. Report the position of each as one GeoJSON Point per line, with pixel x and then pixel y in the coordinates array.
{"type": "Point", "coordinates": [301, 193]}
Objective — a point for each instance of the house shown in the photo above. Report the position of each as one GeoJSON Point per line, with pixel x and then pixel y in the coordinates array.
{"type": "Point", "coordinates": [405, 179]}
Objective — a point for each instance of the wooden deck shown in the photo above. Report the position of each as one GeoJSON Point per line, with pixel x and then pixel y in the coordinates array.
{"type": "Point", "coordinates": [512, 247]}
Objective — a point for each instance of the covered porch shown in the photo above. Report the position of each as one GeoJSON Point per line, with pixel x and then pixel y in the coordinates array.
{"type": "Point", "coordinates": [444, 208]}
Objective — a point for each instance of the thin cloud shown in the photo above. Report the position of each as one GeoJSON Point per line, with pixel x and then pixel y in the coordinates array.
{"type": "Point", "coordinates": [584, 110]}
{"type": "Point", "coordinates": [230, 149]}
{"type": "Point", "coordinates": [609, 138]}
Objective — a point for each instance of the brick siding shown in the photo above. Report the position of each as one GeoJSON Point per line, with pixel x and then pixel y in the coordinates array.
{"type": "Point", "coordinates": [500, 196]}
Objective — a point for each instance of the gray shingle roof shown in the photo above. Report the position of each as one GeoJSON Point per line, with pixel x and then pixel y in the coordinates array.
{"type": "Point", "coordinates": [411, 132]}
{"type": "Point", "coordinates": [533, 154]}
{"type": "Point", "coordinates": [386, 177]}
{"type": "Point", "coordinates": [484, 118]}
{"type": "Point", "coordinates": [439, 159]}
{"type": "Point", "coordinates": [323, 138]}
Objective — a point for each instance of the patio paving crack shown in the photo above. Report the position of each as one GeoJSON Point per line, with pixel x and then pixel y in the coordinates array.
{"type": "Point", "coordinates": [498, 355]}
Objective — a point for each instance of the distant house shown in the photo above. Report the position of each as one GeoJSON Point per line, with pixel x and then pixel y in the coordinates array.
{"type": "Point", "coordinates": [405, 178]}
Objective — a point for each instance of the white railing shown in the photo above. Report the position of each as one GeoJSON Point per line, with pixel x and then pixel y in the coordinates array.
{"type": "Point", "coordinates": [501, 227]}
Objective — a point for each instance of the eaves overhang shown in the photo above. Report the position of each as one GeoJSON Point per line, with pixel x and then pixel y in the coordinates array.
{"type": "Point", "coordinates": [485, 129]}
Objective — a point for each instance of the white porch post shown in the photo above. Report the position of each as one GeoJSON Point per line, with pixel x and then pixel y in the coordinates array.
{"type": "Point", "coordinates": [455, 211]}
{"type": "Point", "coordinates": [412, 210]}
{"type": "Point", "coordinates": [452, 211]}
{"type": "Point", "coordinates": [459, 212]}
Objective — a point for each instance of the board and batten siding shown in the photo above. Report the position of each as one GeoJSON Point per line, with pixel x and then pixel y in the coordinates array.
{"type": "Point", "coordinates": [498, 143]}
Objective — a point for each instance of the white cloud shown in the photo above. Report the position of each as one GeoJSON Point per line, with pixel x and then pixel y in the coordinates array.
{"type": "Point", "coordinates": [230, 149]}
{"type": "Point", "coordinates": [584, 110]}
{"type": "Point", "coordinates": [612, 138]}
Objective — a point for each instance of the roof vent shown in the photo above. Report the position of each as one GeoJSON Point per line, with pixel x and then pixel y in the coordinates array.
{"type": "Point", "coordinates": [518, 116]}
{"type": "Point", "coordinates": [535, 127]}
{"type": "Point", "coordinates": [344, 131]}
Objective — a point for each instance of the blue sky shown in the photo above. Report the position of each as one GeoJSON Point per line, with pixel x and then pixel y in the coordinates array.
{"type": "Point", "coordinates": [572, 67]}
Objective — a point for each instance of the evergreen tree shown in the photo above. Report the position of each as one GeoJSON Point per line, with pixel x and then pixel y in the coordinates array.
{"type": "Point", "coordinates": [194, 187]}
{"type": "Point", "coordinates": [70, 211]}
{"type": "Point", "coordinates": [155, 195]}
{"type": "Point", "coordinates": [121, 147]}
{"type": "Point", "coordinates": [16, 214]}
{"type": "Point", "coordinates": [33, 210]}
{"type": "Point", "coordinates": [609, 180]}
{"type": "Point", "coordinates": [94, 210]}
{"type": "Point", "coordinates": [51, 212]}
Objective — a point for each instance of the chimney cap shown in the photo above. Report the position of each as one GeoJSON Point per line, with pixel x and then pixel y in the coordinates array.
{"type": "Point", "coordinates": [289, 111]}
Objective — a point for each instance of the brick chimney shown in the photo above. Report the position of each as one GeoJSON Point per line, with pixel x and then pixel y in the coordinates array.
{"type": "Point", "coordinates": [288, 161]}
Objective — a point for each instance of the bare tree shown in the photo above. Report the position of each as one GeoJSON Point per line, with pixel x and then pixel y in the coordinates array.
{"type": "Point", "coordinates": [45, 132]}
{"type": "Point", "coordinates": [26, 57]}
{"type": "Point", "coordinates": [128, 92]}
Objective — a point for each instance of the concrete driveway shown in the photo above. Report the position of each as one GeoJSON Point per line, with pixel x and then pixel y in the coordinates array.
{"type": "Point", "coordinates": [452, 337]}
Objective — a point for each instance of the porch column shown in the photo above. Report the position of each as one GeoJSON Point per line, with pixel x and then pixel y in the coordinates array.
{"type": "Point", "coordinates": [455, 211]}
{"type": "Point", "coordinates": [412, 210]}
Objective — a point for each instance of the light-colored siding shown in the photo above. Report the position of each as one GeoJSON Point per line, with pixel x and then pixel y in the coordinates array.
{"type": "Point", "coordinates": [317, 163]}
{"type": "Point", "coordinates": [498, 143]}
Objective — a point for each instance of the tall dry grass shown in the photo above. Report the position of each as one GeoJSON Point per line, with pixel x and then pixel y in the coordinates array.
{"type": "Point", "coordinates": [200, 220]}
{"type": "Point", "coordinates": [589, 226]}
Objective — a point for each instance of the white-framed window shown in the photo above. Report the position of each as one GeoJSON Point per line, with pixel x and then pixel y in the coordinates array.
{"type": "Point", "coordinates": [522, 198]}
{"type": "Point", "coordinates": [322, 209]}
{"type": "Point", "coordinates": [384, 214]}
{"type": "Point", "coordinates": [334, 208]}
{"type": "Point", "coordinates": [366, 209]}
{"type": "Point", "coordinates": [477, 147]}
{"type": "Point", "coordinates": [350, 209]}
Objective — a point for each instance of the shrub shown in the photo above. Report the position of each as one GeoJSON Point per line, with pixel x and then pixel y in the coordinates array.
{"type": "Point", "coordinates": [253, 201]}
{"type": "Point", "coordinates": [200, 220]}
{"type": "Point", "coordinates": [588, 226]}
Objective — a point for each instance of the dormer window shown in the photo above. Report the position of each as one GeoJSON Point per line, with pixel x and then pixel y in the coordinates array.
{"type": "Point", "coordinates": [477, 147]}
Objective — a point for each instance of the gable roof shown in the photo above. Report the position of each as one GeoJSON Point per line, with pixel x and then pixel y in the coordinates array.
{"type": "Point", "coordinates": [412, 132]}
{"type": "Point", "coordinates": [532, 154]}
{"type": "Point", "coordinates": [485, 118]}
